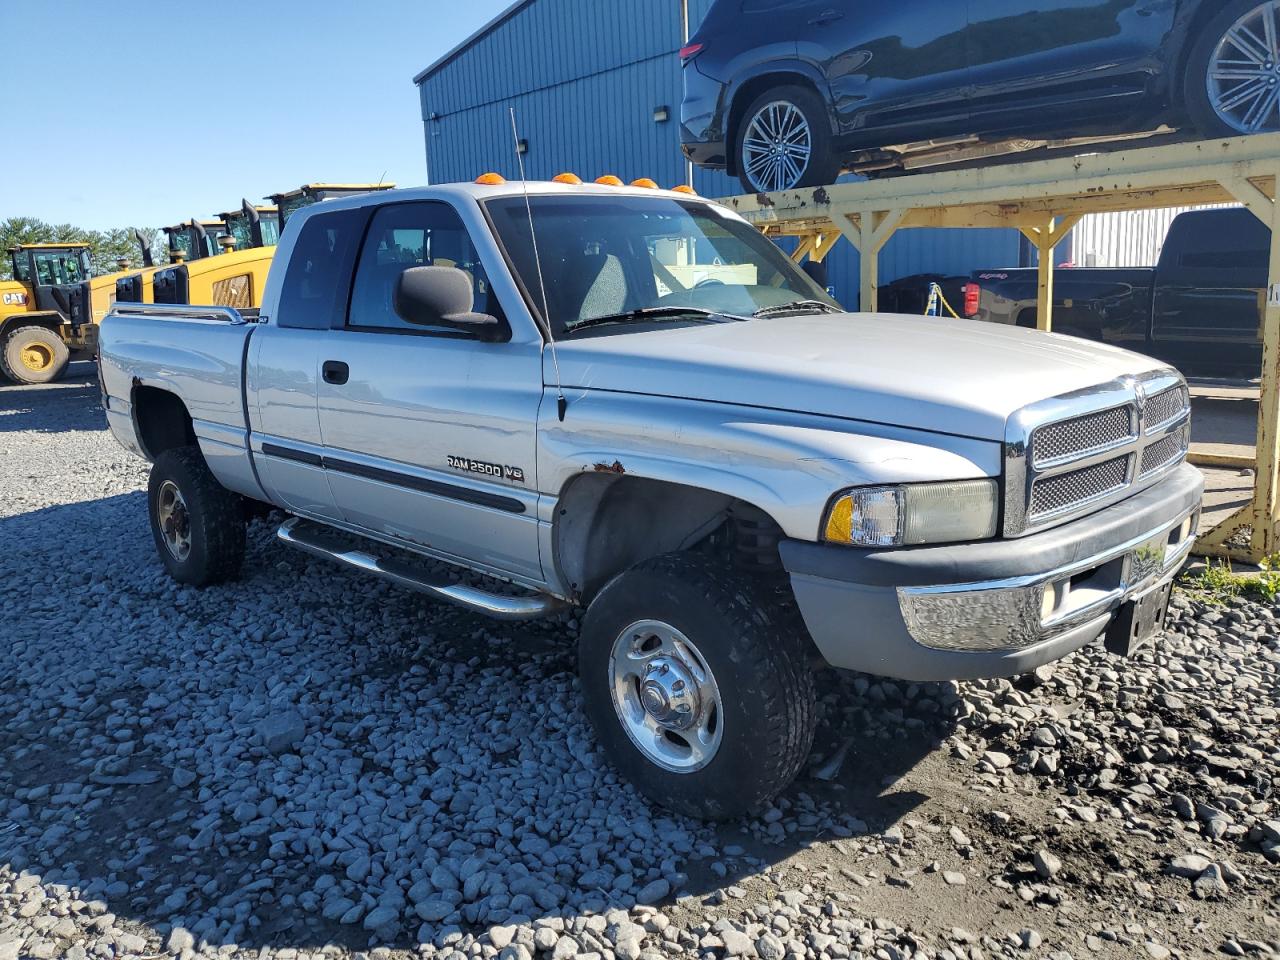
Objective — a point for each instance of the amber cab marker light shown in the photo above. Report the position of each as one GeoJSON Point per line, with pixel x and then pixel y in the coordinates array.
{"type": "Point", "coordinates": [684, 188]}
{"type": "Point", "coordinates": [609, 180]}
{"type": "Point", "coordinates": [491, 180]}
{"type": "Point", "coordinates": [644, 182]}
{"type": "Point", "coordinates": [570, 178]}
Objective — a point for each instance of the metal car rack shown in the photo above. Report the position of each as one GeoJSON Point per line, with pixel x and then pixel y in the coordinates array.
{"type": "Point", "coordinates": [1044, 199]}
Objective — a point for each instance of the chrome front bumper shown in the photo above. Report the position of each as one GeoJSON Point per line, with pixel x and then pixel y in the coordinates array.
{"type": "Point", "coordinates": [1017, 612]}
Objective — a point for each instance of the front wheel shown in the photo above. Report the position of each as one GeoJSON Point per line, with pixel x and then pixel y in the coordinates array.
{"type": "Point", "coordinates": [698, 692]}
{"type": "Point", "coordinates": [34, 355]}
{"type": "Point", "coordinates": [784, 141]}
{"type": "Point", "coordinates": [197, 523]}
{"type": "Point", "coordinates": [1232, 83]}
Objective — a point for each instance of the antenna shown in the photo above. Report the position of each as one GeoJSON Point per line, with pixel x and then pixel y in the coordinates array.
{"type": "Point", "coordinates": [561, 403]}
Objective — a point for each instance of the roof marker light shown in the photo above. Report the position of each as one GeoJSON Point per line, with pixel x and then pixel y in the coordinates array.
{"type": "Point", "coordinates": [570, 178]}
{"type": "Point", "coordinates": [684, 188]}
{"type": "Point", "coordinates": [644, 182]}
{"type": "Point", "coordinates": [609, 180]}
{"type": "Point", "coordinates": [491, 180]}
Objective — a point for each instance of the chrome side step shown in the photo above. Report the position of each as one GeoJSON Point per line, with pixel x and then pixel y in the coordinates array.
{"type": "Point", "coordinates": [314, 539]}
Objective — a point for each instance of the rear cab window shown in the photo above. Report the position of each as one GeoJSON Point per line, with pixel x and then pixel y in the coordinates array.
{"type": "Point", "coordinates": [314, 294]}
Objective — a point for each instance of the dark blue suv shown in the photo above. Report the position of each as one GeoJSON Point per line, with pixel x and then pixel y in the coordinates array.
{"type": "Point", "coordinates": [786, 93]}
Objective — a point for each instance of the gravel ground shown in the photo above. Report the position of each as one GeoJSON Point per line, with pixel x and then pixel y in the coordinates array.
{"type": "Point", "coordinates": [309, 764]}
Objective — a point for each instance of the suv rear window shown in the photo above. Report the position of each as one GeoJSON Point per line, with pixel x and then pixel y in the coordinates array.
{"type": "Point", "coordinates": [315, 289]}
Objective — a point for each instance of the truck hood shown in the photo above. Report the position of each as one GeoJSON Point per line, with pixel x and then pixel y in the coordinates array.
{"type": "Point", "coordinates": [949, 376]}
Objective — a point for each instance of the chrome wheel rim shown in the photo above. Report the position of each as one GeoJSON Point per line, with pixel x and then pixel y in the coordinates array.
{"type": "Point", "coordinates": [776, 147]}
{"type": "Point", "coordinates": [665, 696]}
{"type": "Point", "coordinates": [1243, 78]}
{"type": "Point", "coordinates": [174, 520]}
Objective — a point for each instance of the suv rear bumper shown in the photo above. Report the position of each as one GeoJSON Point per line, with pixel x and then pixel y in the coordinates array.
{"type": "Point", "coordinates": [971, 610]}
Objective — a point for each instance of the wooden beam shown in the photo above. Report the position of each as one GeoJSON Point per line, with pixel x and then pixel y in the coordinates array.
{"type": "Point", "coordinates": [1231, 460]}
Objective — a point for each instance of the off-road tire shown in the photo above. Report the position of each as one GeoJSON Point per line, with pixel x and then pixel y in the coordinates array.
{"type": "Point", "coordinates": [21, 339]}
{"type": "Point", "coordinates": [216, 516]}
{"type": "Point", "coordinates": [760, 661]}
{"type": "Point", "coordinates": [1195, 93]}
{"type": "Point", "coordinates": [824, 164]}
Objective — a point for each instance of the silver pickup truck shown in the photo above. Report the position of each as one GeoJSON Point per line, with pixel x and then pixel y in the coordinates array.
{"type": "Point", "coordinates": [628, 399]}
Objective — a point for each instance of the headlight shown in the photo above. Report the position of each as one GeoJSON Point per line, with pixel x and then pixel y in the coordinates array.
{"type": "Point", "coordinates": [913, 514]}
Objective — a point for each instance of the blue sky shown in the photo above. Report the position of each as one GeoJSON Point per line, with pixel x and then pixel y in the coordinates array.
{"type": "Point", "coordinates": [145, 113]}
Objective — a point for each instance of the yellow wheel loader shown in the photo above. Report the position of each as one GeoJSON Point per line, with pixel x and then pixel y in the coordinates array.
{"type": "Point", "coordinates": [49, 312]}
{"type": "Point", "coordinates": [236, 276]}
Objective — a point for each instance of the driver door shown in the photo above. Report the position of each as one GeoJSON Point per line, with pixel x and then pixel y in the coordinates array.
{"type": "Point", "coordinates": [429, 432]}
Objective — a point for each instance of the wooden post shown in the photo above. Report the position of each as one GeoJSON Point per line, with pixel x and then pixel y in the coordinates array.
{"type": "Point", "coordinates": [1263, 542]}
{"type": "Point", "coordinates": [1047, 238]}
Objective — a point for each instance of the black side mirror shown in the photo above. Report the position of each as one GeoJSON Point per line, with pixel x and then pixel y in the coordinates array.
{"type": "Point", "coordinates": [817, 272]}
{"type": "Point", "coordinates": [434, 296]}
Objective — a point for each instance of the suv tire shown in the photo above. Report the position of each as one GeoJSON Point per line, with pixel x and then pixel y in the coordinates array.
{"type": "Point", "coordinates": [781, 111]}
{"type": "Point", "coordinates": [1206, 118]}
{"type": "Point", "coordinates": [680, 618]}
{"type": "Point", "coordinates": [197, 523]}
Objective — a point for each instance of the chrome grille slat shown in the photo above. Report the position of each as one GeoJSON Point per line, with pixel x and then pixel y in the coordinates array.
{"type": "Point", "coordinates": [1158, 454]}
{"type": "Point", "coordinates": [1165, 407]}
{"type": "Point", "coordinates": [1069, 455]}
{"type": "Point", "coordinates": [1079, 436]}
{"type": "Point", "coordinates": [1066, 491]}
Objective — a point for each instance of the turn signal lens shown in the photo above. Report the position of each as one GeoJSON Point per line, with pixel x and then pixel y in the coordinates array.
{"type": "Point", "coordinates": [491, 179]}
{"type": "Point", "coordinates": [644, 182]}
{"type": "Point", "coordinates": [570, 178]}
{"type": "Point", "coordinates": [689, 51]}
{"type": "Point", "coordinates": [914, 514]}
{"type": "Point", "coordinates": [684, 188]}
{"type": "Point", "coordinates": [609, 180]}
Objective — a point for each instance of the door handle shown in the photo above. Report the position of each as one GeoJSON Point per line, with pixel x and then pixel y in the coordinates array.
{"type": "Point", "coordinates": [335, 371]}
{"type": "Point", "coordinates": [826, 17]}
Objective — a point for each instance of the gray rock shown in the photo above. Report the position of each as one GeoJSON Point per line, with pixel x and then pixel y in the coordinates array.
{"type": "Point", "coordinates": [1189, 865]}
{"type": "Point", "coordinates": [1047, 864]}
{"type": "Point", "coordinates": [282, 731]}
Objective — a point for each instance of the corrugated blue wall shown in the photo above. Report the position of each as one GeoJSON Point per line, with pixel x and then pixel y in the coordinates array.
{"type": "Point", "coordinates": [585, 78]}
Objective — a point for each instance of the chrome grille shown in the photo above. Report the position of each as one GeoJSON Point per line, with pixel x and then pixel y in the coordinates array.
{"type": "Point", "coordinates": [1066, 491]}
{"type": "Point", "coordinates": [1071, 454]}
{"type": "Point", "coordinates": [1165, 407]}
{"type": "Point", "coordinates": [1068, 439]}
{"type": "Point", "coordinates": [1168, 448]}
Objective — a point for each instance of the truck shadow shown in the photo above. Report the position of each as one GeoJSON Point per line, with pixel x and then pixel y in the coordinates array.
{"type": "Point", "coordinates": [70, 404]}
{"type": "Point", "coordinates": [147, 758]}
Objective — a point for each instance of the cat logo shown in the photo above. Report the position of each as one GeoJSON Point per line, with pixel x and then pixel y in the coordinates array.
{"type": "Point", "coordinates": [15, 299]}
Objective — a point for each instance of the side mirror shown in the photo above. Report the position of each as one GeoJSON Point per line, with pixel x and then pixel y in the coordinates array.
{"type": "Point", "coordinates": [434, 296]}
{"type": "Point", "coordinates": [817, 272]}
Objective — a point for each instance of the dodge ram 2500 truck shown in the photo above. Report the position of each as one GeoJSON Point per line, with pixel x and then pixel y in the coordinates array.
{"type": "Point", "coordinates": [1200, 308]}
{"type": "Point", "coordinates": [628, 399]}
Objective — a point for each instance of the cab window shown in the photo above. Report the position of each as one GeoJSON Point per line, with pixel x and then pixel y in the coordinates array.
{"type": "Point", "coordinates": [315, 288]}
{"type": "Point", "coordinates": [412, 235]}
{"type": "Point", "coordinates": [55, 267]}
{"type": "Point", "coordinates": [21, 267]}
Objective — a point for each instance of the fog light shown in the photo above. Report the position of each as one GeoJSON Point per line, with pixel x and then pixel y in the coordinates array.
{"type": "Point", "coordinates": [1055, 597]}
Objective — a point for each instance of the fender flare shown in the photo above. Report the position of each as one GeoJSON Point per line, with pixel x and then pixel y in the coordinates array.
{"type": "Point", "coordinates": [49, 319]}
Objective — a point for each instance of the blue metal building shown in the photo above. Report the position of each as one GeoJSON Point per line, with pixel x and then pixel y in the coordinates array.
{"type": "Point", "coordinates": [596, 89]}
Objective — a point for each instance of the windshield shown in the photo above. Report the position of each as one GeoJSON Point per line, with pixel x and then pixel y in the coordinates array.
{"type": "Point", "coordinates": [604, 256]}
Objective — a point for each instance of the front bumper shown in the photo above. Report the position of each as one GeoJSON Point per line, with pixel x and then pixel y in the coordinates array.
{"type": "Point", "coordinates": [965, 611]}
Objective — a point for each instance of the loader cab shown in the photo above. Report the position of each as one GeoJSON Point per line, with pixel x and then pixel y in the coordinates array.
{"type": "Point", "coordinates": [194, 240]}
{"type": "Point", "coordinates": [253, 226]}
{"type": "Point", "coordinates": [292, 201]}
{"type": "Point", "coordinates": [56, 278]}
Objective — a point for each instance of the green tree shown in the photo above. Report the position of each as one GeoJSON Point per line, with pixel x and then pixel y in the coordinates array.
{"type": "Point", "coordinates": [106, 247]}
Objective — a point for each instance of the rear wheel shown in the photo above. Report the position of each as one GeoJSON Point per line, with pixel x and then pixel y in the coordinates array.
{"type": "Point", "coordinates": [698, 685]}
{"type": "Point", "coordinates": [197, 523]}
{"type": "Point", "coordinates": [784, 141]}
{"type": "Point", "coordinates": [1232, 83]}
{"type": "Point", "coordinates": [34, 355]}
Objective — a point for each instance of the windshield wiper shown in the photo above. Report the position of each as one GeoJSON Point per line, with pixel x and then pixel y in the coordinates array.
{"type": "Point", "coordinates": [797, 306]}
{"type": "Point", "coordinates": [653, 313]}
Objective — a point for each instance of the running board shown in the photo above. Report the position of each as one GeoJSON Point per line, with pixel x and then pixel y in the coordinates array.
{"type": "Point", "coordinates": [313, 539]}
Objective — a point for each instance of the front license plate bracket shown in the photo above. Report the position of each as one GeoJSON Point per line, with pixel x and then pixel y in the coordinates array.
{"type": "Point", "coordinates": [1138, 620]}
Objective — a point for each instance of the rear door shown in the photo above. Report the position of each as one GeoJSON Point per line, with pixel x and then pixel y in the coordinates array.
{"type": "Point", "coordinates": [898, 66]}
{"type": "Point", "coordinates": [1089, 56]}
{"type": "Point", "coordinates": [284, 368]}
{"type": "Point", "coordinates": [1210, 292]}
{"type": "Point", "coordinates": [429, 433]}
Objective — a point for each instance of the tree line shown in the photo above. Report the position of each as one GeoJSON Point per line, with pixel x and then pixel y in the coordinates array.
{"type": "Point", "coordinates": [106, 247]}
